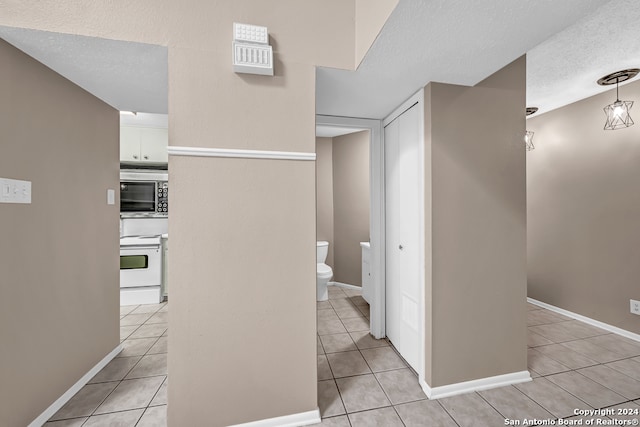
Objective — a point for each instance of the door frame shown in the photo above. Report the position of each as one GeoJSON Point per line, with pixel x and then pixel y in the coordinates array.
{"type": "Point", "coordinates": [416, 100]}
{"type": "Point", "coordinates": [376, 212]}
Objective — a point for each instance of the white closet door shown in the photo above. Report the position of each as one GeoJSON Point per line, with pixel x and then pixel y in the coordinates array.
{"type": "Point", "coordinates": [402, 186]}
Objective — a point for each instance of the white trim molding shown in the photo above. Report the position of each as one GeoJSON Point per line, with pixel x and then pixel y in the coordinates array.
{"type": "Point", "coordinates": [239, 154]}
{"type": "Point", "coordinates": [60, 402]}
{"type": "Point", "coordinates": [475, 385]}
{"type": "Point", "coordinates": [293, 420]}
{"type": "Point", "coordinates": [346, 286]}
{"type": "Point", "coordinates": [585, 319]}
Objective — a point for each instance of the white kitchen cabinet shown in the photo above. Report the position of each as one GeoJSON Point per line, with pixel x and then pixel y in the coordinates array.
{"type": "Point", "coordinates": [142, 144]}
{"type": "Point", "coordinates": [153, 145]}
{"type": "Point", "coordinates": [129, 144]}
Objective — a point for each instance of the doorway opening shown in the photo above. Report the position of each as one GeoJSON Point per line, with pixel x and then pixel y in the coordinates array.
{"type": "Point", "coordinates": [346, 125]}
{"type": "Point", "coordinates": [404, 128]}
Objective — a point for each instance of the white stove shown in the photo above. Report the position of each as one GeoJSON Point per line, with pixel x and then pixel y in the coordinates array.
{"type": "Point", "coordinates": [139, 241]}
{"type": "Point", "coordinates": [140, 270]}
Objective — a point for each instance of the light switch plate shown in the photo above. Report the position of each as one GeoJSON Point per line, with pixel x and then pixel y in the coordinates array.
{"type": "Point", "coordinates": [111, 197]}
{"type": "Point", "coordinates": [15, 191]}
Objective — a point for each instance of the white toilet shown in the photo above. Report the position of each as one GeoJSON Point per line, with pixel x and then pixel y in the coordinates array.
{"type": "Point", "coordinates": [323, 271]}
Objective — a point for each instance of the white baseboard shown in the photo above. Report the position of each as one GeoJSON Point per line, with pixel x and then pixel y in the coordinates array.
{"type": "Point", "coordinates": [585, 319]}
{"type": "Point", "coordinates": [475, 385]}
{"type": "Point", "coordinates": [346, 286]}
{"type": "Point", "coordinates": [294, 420]}
{"type": "Point", "coordinates": [60, 402]}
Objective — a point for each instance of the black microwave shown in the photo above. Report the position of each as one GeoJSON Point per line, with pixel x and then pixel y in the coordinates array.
{"type": "Point", "coordinates": [143, 196]}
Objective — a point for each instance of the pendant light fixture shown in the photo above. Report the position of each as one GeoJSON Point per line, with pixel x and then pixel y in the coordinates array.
{"type": "Point", "coordinates": [528, 140]}
{"type": "Point", "coordinates": [528, 135]}
{"type": "Point", "coordinates": [618, 113]}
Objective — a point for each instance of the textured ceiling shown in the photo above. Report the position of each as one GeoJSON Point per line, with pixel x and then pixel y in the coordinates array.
{"type": "Point", "coordinates": [564, 68]}
{"type": "Point", "coordinates": [569, 45]}
{"type": "Point", "coordinates": [449, 41]}
{"type": "Point", "coordinates": [126, 75]}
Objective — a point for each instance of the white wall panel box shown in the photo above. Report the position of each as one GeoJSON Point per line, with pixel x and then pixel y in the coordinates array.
{"type": "Point", "coordinates": [251, 51]}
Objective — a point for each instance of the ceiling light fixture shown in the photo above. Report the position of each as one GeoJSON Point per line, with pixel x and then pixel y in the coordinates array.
{"type": "Point", "coordinates": [528, 135]}
{"type": "Point", "coordinates": [618, 113]}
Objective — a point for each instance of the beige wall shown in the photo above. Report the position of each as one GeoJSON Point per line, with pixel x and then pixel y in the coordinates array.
{"type": "Point", "coordinates": [371, 16]}
{"type": "Point", "coordinates": [350, 204]}
{"type": "Point", "coordinates": [256, 238]}
{"type": "Point", "coordinates": [583, 210]}
{"type": "Point", "coordinates": [59, 255]}
{"type": "Point", "coordinates": [245, 291]}
{"type": "Point", "coordinates": [213, 107]}
{"type": "Point", "coordinates": [259, 249]}
{"type": "Point", "coordinates": [476, 175]}
{"type": "Point", "coordinates": [324, 193]}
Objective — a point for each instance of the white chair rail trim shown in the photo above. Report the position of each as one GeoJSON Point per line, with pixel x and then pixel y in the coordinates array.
{"type": "Point", "coordinates": [239, 154]}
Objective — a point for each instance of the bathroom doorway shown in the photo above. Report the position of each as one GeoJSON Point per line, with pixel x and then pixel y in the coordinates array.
{"type": "Point", "coordinates": [413, 121]}
{"type": "Point", "coordinates": [328, 125]}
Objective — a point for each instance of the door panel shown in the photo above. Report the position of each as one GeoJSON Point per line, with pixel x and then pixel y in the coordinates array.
{"type": "Point", "coordinates": [402, 186]}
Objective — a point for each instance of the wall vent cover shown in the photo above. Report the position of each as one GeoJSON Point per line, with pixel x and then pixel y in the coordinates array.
{"type": "Point", "coordinates": [251, 51]}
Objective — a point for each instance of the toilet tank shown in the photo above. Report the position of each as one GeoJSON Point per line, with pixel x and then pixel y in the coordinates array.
{"type": "Point", "coordinates": [322, 249]}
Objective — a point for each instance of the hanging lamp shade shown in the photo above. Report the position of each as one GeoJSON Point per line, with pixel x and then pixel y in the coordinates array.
{"type": "Point", "coordinates": [618, 116]}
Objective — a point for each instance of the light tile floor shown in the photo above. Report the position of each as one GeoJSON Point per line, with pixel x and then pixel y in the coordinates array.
{"type": "Point", "coordinates": [132, 389]}
{"type": "Point", "coordinates": [363, 381]}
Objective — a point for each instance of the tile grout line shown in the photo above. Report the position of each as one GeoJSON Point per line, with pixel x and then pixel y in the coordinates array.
{"type": "Point", "coordinates": [584, 376]}
{"type": "Point", "coordinates": [111, 392]}
{"type": "Point", "coordinates": [93, 414]}
{"type": "Point", "coordinates": [165, 376]}
{"type": "Point", "coordinates": [372, 373]}
{"type": "Point", "coordinates": [332, 375]}
{"type": "Point", "coordinates": [388, 397]}
{"type": "Point", "coordinates": [581, 354]}
{"type": "Point", "coordinates": [569, 369]}
{"type": "Point", "coordinates": [494, 408]}
{"type": "Point", "coordinates": [331, 369]}
{"type": "Point", "coordinates": [128, 372]}
{"type": "Point", "coordinates": [447, 412]}
{"type": "Point", "coordinates": [634, 401]}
